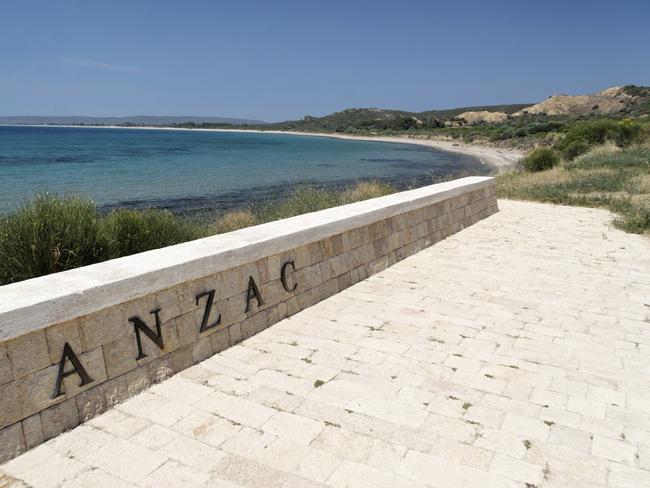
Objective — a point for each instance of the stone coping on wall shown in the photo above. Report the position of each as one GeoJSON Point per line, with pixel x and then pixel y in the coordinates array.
{"type": "Point", "coordinates": [56, 298]}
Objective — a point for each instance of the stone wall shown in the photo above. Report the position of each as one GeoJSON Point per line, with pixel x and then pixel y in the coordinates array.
{"type": "Point", "coordinates": [75, 343]}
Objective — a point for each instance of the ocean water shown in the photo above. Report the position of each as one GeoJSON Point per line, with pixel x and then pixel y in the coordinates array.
{"type": "Point", "coordinates": [198, 171]}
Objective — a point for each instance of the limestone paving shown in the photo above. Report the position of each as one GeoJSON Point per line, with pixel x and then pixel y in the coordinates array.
{"type": "Point", "coordinates": [515, 353]}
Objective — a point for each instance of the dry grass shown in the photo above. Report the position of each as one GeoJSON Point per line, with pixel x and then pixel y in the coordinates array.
{"type": "Point", "coordinates": [235, 220]}
{"type": "Point", "coordinates": [365, 190]}
{"type": "Point", "coordinates": [607, 176]}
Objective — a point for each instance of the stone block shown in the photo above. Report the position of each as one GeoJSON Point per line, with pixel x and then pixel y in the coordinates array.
{"type": "Point", "coordinates": [5, 365]}
{"type": "Point", "coordinates": [100, 398]}
{"type": "Point", "coordinates": [166, 301]}
{"type": "Point", "coordinates": [235, 334]}
{"type": "Point", "coordinates": [137, 380]}
{"type": "Point", "coordinates": [33, 431]}
{"type": "Point", "coordinates": [277, 312]}
{"type": "Point", "coordinates": [188, 326]}
{"type": "Point", "coordinates": [60, 334]}
{"type": "Point", "coordinates": [120, 356]}
{"type": "Point", "coordinates": [307, 277]}
{"type": "Point", "coordinates": [310, 254]}
{"type": "Point", "coordinates": [331, 246]}
{"type": "Point", "coordinates": [59, 418]}
{"type": "Point", "coordinates": [28, 353]}
{"type": "Point", "coordinates": [187, 292]}
{"type": "Point", "coordinates": [219, 340]}
{"type": "Point", "coordinates": [103, 327]}
{"type": "Point", "coordinates": [12, 442]}
{"type": "Point", "coordinates": [202, 348]}
{"type": "Point", "coordinates": [28, 395]}
{"type": "Point", "coordinates": [377, 230]}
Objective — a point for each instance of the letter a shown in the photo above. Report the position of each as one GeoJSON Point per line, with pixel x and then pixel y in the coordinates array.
{"type": "Point", "coordinates": [69, 354]}
{"type": "Point", "coordinates": [253, 292]}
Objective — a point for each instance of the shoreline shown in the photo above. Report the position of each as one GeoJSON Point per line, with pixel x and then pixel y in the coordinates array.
{"type": "Point", "coordinates": [497, 158]}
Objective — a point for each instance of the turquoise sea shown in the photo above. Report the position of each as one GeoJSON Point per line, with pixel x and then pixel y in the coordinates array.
{"type": "Point", "coordinates": [195, 171]}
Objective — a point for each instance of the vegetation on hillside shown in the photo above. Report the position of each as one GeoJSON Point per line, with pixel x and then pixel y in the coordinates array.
{"type": "Point", "coordinates": [51, 234]}
{"type": "Point", "coordinates": [521, 125]}
{"type": "Point", "coordinates": [605, 163]}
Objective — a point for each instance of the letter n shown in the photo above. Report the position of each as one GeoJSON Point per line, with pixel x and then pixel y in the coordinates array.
{"type": "Point", "coordinates": [156, 337]}
{"type": "Point", "coordinates": [253, 292]}
{"type": "Point", "coordinates": [69, 354]}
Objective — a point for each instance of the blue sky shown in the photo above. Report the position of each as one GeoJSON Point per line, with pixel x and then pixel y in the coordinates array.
{"type": "Point", "coordinates": [275, 60]}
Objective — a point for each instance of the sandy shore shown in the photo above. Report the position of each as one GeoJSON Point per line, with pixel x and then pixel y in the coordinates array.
{"type": "Point", "coordinates": [495, 157]}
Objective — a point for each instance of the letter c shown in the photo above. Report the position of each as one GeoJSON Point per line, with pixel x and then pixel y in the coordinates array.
{"type": "Point", "coordinates": [283, 276]}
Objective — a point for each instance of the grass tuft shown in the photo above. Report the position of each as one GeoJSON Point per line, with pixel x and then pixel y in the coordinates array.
{"type": "Point", "coordinates": [129, 232]}
{"type": "Point", "coordinates": [47, 235]}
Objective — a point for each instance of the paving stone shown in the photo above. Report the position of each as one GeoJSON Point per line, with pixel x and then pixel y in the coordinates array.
{"type": "Point", "coordinates": [351, 474]}
{"type": "Point", "coordinates": [246, 472]}
{"type": "Point", "coordinates": [517, 470]}
{"type": "Point", "coordinates": [207, 428]}
{"type": "Point", "coordinates": [513, 352]}
{"type": "Point", "coordinates": [236, 409]}
{"type": "Point", "coordinates": [296, 428]}
{"type": "Point", "coordinates": [154, 437]}
{"type": "Point", "coordinates": [613, 449]}
{"type": "Point", "coordinates": [96, 478]}
{"type": "Point", "coordinates": [202, 457]}
{"type": "Point", "coordinates": [45, 467]}
{"type": "Point", "coordinates": [126, 460]}
{"type": "Point", "coordinates": [174, 475]}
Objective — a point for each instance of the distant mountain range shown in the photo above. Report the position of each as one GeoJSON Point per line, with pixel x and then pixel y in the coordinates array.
{"type": "Point", "coordinates": [619, 101]}
{"type": "Point", "coordinates": [125, 121]}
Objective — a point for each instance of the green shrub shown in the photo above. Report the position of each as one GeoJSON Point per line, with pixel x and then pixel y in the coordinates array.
{"type": "Point", "coordinates": [584, 135]}
{"type": "Point", "coordinates": [574, 148]}
{"type": "Point", "coordinates": [632, 216]}
{"type": "Point", "coordinates": [630, 132]}
{"type": "Point", "coordinates": [132, 231]}
{"type": "Point", "coordinates": [47, 235]}
{"type": "Point", "coordinates": [540, 159]}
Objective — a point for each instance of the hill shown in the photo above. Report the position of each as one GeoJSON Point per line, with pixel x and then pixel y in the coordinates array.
{"type": "Point", "coordinates": [381, 120]}
{"type": "Point", "coordinates": [611, 100]}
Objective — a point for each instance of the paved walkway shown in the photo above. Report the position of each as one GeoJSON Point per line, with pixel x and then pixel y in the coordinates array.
{"type": "Point", "coordinates": [513, 354]}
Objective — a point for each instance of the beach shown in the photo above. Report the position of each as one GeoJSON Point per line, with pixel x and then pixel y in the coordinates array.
{"type": "Point", "coordinates": [498, 158]}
